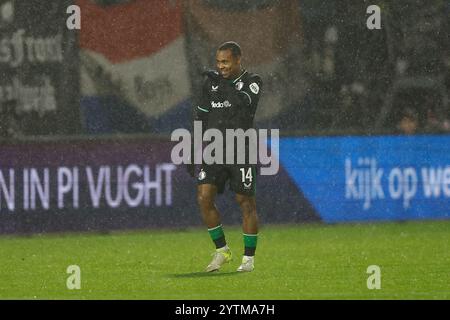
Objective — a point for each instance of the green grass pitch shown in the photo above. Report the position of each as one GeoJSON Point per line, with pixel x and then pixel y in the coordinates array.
{"type": "Point", "coordinates": [311, 261]}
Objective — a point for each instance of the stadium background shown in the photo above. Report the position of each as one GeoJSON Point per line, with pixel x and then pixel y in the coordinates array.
{"type": "Point", "coordinates": [87, 115]}
{"type": "Point", "coordinates": [86, 177]}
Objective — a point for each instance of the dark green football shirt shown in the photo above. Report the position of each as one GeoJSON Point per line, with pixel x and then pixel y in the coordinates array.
{"type": "Point", "coordinates": [229, 104]}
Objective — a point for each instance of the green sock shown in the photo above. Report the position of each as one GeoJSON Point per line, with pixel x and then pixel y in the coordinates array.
{"type": "Point", "coordinates": [250, 241]}
{"type": "Point", "coordinates": [218, 236]}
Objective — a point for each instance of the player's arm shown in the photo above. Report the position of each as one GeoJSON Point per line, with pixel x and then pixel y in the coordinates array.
{"type": "Point", "coordinates": [200, 112]}
{"type": "Point", "coordinates": [202, 107]}
{"type": "Point", "coordinates": [248, 95]}
{"type": "Point", "coordinates": [253, 90]}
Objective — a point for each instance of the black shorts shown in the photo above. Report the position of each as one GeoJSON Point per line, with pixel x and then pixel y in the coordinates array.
{"type": "Point", "coordinates": [241, 178]}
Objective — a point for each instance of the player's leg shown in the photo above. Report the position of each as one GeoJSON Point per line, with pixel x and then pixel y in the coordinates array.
{"type": "Point", "coordinates": [249, 214]}
{"type": "Point", "coordinates": [250, 230]}
{"type": "Point", "coordinates": [206, 193]}
{"type": "Point", "coordinates": [243, 182]}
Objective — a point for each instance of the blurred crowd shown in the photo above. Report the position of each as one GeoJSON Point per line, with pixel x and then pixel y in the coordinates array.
{"type": "Point", "coordinates": [395, 79]}
{"type": "Point", "coordinates": [354, 80]}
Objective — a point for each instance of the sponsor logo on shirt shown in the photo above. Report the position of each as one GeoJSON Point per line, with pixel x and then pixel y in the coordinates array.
{"type": "Point", "coordinates": [225, 104]}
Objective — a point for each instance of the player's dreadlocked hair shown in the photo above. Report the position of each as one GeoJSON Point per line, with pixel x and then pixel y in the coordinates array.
{"type": "Point", "coordinates": [233, 47]}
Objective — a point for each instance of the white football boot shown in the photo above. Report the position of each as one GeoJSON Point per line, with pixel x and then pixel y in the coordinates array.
{"type": "Point", "coordinates": [221, 256]}
{"type": "Point", "coordinates": [248, 264]}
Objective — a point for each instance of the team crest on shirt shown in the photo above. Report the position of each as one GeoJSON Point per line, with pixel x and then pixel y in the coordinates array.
{"type": "Point", "coordinates": [254, 88]}
{"type": "Point", "coordinates": [239, 85]}
{"type": "Point", "coordinates": [201, 175]}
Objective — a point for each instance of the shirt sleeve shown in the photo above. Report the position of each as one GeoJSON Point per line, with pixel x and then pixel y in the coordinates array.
{"type": "Point", "coordinates": [248, 95]}
{"type": "Point", "coordinates": [252, 90]}
{"type": "Point", "coordinates": [201, 107]}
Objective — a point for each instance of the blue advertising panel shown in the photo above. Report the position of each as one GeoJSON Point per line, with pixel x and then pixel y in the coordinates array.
{"type": "Point", "coordinates": [371, 178]}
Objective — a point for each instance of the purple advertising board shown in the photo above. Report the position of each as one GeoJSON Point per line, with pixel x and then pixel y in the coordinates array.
{"type": "Point", "coordinates": [108, 184]}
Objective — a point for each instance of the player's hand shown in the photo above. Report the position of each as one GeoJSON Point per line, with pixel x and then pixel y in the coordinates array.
{"type": "Point", "coordinates": [212, 74]}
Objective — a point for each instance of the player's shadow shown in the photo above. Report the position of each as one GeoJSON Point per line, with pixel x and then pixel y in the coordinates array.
{"type": "Point", "coordinates": [203, 274]}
